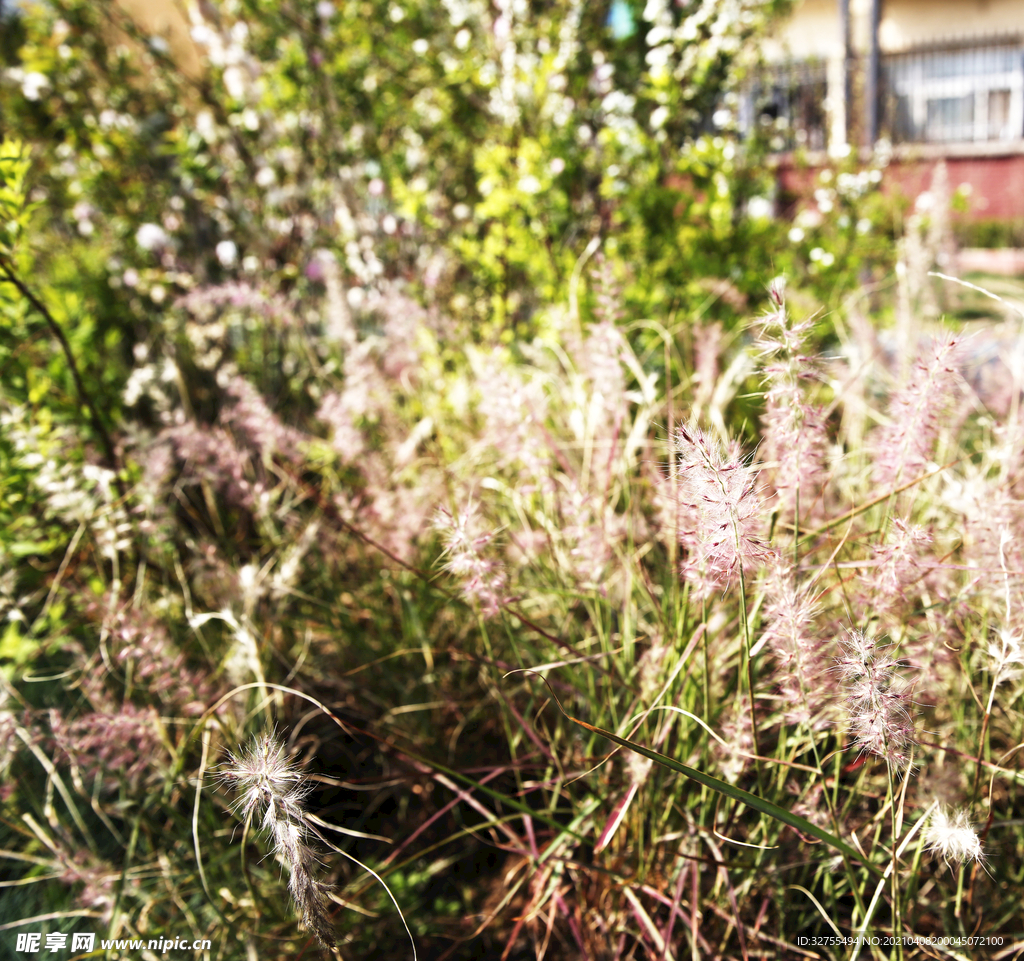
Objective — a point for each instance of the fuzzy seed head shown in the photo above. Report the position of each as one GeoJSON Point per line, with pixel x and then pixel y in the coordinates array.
{"type": "Point", "coordinates": [271, 785]}
{"type": "Point", "coordinates": [266, 779]}
{"type": "Point", "coordinates": [483, 581]}
{"type": "Point", "coordinates": [1006, 655]}
{"type": "Point", "coordinates": [903, 448]}
{"type": "Point", "coordinates": [876, 701]}
{"type": "Point", "coordinates": [720, 508]}
{"type": "Point", "coordinates": [951, 835]}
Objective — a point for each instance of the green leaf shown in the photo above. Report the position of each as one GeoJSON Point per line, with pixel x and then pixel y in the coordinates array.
{"type": "Point", "coordinates": [737, 794]}
{"type": "Point", "coordinates": [28, 548]}
{"type": "Point", "coordinates": [14, 646]}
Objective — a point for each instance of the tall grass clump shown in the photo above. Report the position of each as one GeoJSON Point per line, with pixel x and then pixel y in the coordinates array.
{"type": "Point", "coordinates": [589, 624]}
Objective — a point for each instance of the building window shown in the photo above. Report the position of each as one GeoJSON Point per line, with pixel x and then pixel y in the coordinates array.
{"type": "Point", "coordinates": [956, 94]}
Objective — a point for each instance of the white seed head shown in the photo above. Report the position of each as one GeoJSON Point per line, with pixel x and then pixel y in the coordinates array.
{"type": "Point", "coordinates": [877, 700]}
{"type": "Point", "coordinates": [951, 835]}
{"type": "Point", "coordinates": [1006, 655]}
{"type": "Point", "coordinates": [266, 778]}
{"type": "Point", "coordinates": [269, 783]}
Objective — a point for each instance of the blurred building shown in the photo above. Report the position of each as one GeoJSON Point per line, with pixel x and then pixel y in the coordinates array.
{"type": "Point", "coordinates": [935, 79]}
{"type": "Point", "coordinates": [166, 20]}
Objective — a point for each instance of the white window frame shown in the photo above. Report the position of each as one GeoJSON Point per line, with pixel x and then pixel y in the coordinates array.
{"type": "Point", "coordinates": [908, 80]}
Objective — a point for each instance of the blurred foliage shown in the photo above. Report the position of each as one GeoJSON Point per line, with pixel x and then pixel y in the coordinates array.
{"type": "Point", "coordinates": [472, 152]}
{"type": "Point", "coordinates": [989, 233]}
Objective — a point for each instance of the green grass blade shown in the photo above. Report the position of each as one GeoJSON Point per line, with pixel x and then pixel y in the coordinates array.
{"type": "Point", "coordinates": [737, 794]}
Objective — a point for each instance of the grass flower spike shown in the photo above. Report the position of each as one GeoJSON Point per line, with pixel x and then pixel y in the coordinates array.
{"type": "Point", "coordinates": [482, 579]}
{"type": "Point", "coordinates": [271, 787]}
{"type": "Point", "coordinates": [879, 720]}
{"type": "Point", "coordinates": [1006, 658]}
{"type": "Point", "coordinates": [721, 510]}
{"type": "Point", "coordinates": [904, 447]}
{"type": "Point", "coordinates": [795, 439]}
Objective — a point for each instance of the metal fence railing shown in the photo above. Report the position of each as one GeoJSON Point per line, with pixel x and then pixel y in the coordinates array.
{"type": "Point", "coordinates": [955, 95]}
{"type": "Point", "coordinates": [787, 105]}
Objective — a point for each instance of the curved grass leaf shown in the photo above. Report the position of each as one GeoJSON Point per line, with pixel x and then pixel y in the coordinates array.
{"type": "Point", "coordinates": [737, 794]}
{"type": "Point", "coordinates": [722, 787]}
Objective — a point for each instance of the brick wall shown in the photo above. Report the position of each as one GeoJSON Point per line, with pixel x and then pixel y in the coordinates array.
{"type": "Point", "coordinates": [996, 182]}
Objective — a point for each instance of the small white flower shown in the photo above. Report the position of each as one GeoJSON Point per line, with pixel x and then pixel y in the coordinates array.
{"type": "Point", "coordinates": [151, 237]}
{"type": "Point", "coordinates": [760, 208]}
{"type": "Point", "coordinates": [659, 117]}
{"type": "Point", "coordinates": [202, 34]}
{"type": "Point", "coordinates": [234, 82]}
{"type": "Point", "coordinates": [206, 127]}
{"type": "Point", "coordinates": [227, 253]}
{"type": "Point", "coordinates": [34, 84]}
